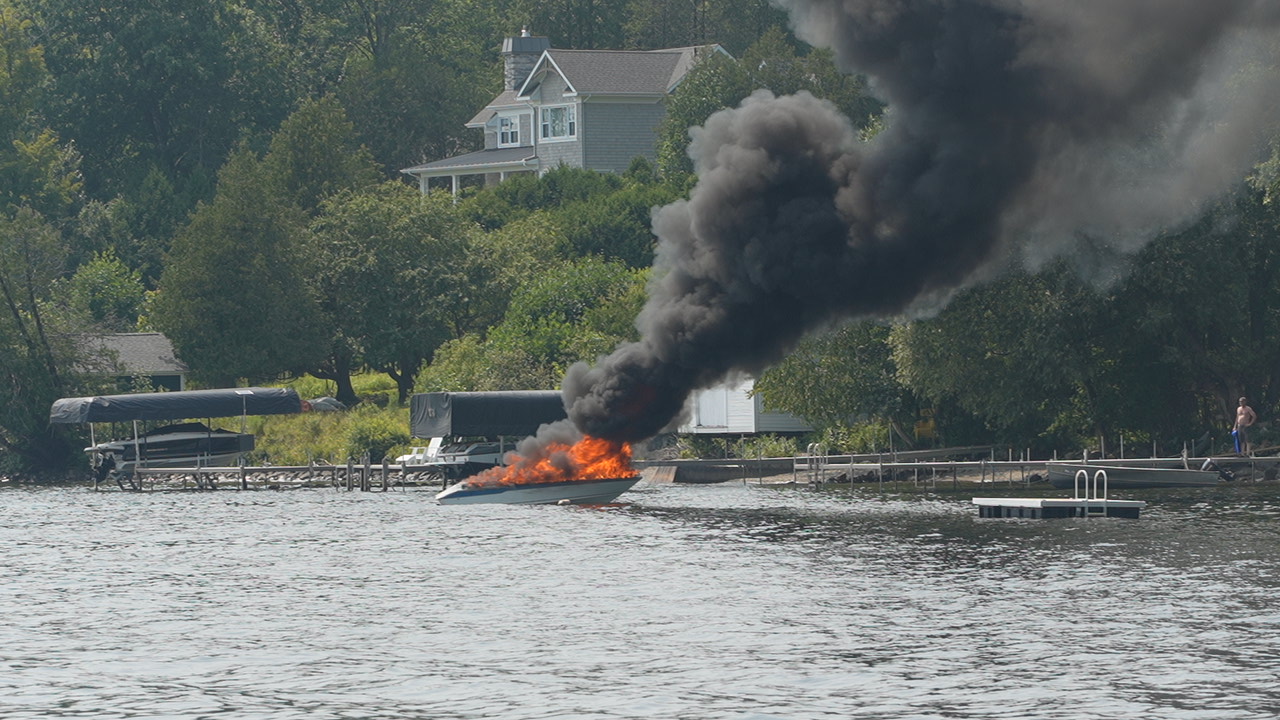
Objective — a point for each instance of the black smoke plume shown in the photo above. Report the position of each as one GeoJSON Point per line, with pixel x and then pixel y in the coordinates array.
{"type": "Point", "coordinates": [1016, 128]}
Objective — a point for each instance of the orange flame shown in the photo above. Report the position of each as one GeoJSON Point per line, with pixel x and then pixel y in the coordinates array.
{"type": "Point", "coordinates": [588, 459]}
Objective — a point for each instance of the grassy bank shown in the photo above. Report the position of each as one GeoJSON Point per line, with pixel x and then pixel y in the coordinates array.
{"type": "Point", "coordinates": [378, 426]}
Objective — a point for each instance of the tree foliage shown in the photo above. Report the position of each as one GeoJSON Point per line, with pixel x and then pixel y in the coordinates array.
{"type": "Point", "coordinates": [107, 292]}
{"type": "Point", "coordinates": [167, 86]}
{"type": "Point", "coordinates": [233, 299]}
{"type": "Point", "coordinates": [837, 377]}
{"type": "Point", "coordinates": [316, 154]}
{"type": "Point", "coordinates": [574, 311]}
{"type": "Point", "coordinates": [390, 266]}
{"type": "Point", "coordinates": [772, 62]}
{"type": "Point", "coordinates": [36, 348]}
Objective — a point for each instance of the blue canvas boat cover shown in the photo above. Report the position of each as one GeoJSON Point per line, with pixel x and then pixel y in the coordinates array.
{"type": "Point", "coordinates": [483, 414]}
{"type": "Point", "coordinates": [223, 402]}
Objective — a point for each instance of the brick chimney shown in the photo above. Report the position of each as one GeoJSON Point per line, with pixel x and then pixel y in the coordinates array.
{"type": "Point", "coordinates": [519, 55]}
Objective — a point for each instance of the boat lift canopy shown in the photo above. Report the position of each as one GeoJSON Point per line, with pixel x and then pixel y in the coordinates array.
{"type": "Point", "coordinates": [223, 402]}
{"type": "Point", "coordinates": [483, 414]}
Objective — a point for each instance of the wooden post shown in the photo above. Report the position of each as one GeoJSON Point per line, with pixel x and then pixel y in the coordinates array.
{"type": "Point", "coordinates": [350, 473]}
{"type": "Point", "coordinates": [384, 474]}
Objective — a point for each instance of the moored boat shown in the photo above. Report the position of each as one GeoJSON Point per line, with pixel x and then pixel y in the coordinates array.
{"type": "Point", "coordinates": [1128, 477]}
{"type": "Point", "coordinates": [181, 445]}
{"type": "Point", "coordinates": [578, 492]}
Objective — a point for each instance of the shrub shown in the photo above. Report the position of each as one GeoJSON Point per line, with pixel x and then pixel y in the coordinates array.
{"type": "Point", "coordinates": [376, 432]}
{"type": "Point", "coordinates": [770, 446]}
{"type": "Point", "coordinates": [859, 438]}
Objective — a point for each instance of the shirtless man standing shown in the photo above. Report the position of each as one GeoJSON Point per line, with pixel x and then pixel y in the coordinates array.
{"type": "Point", "coordinates": [1245, 416]}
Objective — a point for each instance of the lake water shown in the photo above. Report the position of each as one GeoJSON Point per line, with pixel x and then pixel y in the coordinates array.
{"type": "Point", "coordinates": [699, 602]}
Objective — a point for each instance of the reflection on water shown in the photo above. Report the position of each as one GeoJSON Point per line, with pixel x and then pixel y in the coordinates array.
{"type": "Point", "coordinates": [721, 601]}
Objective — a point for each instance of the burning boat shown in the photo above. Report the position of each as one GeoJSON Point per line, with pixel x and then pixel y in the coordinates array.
{"type": "Point", "coordinates": [578, 492]}
{"type": "Point", "coordinates": [590, 471]}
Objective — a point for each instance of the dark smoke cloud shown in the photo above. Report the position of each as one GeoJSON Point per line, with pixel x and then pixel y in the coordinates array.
{"type": "Point", "coordinates": [1017, 128]}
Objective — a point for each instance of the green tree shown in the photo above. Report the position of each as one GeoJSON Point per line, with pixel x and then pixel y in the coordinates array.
{"type": "Point", "coordinates": [771, 62]}
{"type": "Point", "coordinates": [577, 24]}
{"type": "Point", "coordinates": [419, 71]}
{"type": "Point", "coordinates": [834, 378]}
{"type": "Point", "coordinates": [1002, 352]}
{"type": "Point", "coordinates": [107, 292]}
{"type": "Point", "coordinates": [1204, 302]}
{"type": "Point", "coordinates": [142, 225]}
{"type": "Point", "coordinates": [576, 310]}
{"type": "Point", "coordinates": [233, 299]}
{"type": "Point", "coordinates": [714, 84]}
{"type": "Point", "coordinates": [23, 75]}
{"type": "Point", "coordinates": [39, 173]}
{"type": "Point", "coordinates": [499, 262]}
{"type": "Point", "coordinates": [36, 344]}
{"type": "Point", "coordinates": [391, 266]}
{"type": "Point", "coordinates": [138, 86]}
{"type": "Point", "coordinates": [617, 226]}
{"type": "Point", "coordinates": [315, 155]}
{"type": "Point", "coordinates": [1049, 360]}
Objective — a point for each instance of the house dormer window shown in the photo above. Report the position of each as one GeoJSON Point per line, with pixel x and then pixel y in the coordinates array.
{"type": "Point", "coordinates": [558, 122]}
{"type": "Point", "coordinates": [508, 131]}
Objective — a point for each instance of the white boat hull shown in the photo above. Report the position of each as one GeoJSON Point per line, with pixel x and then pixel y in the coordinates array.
{"type": "Point", "coordinates": [1062, 476]}
{"type": "Point", "coordinates": [579, 492]}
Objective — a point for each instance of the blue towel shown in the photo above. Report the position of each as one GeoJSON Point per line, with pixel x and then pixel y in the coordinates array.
{"type": "Point", "coordinates": [1235, 435]}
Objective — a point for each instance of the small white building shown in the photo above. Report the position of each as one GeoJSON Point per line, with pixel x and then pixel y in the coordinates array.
{"type": "Point", "coordinates": [731, 410]}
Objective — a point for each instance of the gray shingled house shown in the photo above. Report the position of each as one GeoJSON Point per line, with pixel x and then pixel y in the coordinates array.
{"type": "Point", "coordinates": [595, 109]}
{"type": "Point", "coordinates": [128, 357]}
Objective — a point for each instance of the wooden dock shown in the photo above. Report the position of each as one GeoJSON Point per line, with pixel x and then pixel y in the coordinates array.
{"type": "Point", "coordinates": [364, 476]}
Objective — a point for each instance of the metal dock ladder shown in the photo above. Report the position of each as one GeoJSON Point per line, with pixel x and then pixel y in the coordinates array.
{"type": "Point", "coordinates": [1091, 494]}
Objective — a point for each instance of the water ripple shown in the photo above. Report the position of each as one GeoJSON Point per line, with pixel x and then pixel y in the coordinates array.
{"type": "Point", "coordinates": [704, 602]}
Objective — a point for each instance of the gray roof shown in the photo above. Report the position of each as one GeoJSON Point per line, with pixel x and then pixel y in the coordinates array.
{"type": "Point", "coordinates": [478, 159]}
{"type": "Point", "coordinates": [140, 353]}
{"type": "Point", "coordinates": [506, 100]}
{"type": "Point", "coordinates": [621, 72]}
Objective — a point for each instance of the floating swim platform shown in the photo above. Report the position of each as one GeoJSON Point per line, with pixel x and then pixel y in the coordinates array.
{"type": "Point", "coordinates": [1049, 508]}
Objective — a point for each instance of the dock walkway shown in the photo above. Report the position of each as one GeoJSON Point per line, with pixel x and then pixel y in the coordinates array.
{"type": "Point", "coordinates": [364, 476]}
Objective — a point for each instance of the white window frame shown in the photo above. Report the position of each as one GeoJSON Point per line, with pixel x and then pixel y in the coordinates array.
{"type": "Point", "coordinates": [508, 131]}
{"type": "Point", "coordinates": [546, 124]}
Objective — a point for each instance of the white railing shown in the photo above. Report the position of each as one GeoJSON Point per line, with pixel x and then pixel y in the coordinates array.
{"type": "Point", "coordinates": [1081, 481]}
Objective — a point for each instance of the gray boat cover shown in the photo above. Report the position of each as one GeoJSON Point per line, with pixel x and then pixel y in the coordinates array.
{"type": "Point", "coordinates": [225, 402]}
{"type": "Point", "coordinates": [486, 414]}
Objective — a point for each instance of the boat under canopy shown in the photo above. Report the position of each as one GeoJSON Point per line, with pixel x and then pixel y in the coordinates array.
{"type": "Point", "coordinates": [180, 445]}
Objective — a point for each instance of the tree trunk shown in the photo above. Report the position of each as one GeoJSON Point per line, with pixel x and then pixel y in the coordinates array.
{"type": "Point", "coordinates": [339, 371]}
{"type": "Point", "coordinates": [908, 440]}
